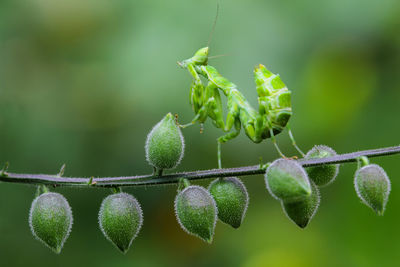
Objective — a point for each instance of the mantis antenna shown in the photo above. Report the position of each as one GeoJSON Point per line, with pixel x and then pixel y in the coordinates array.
{"type": "Point", "coordinates": [217, 56]}
{"type": "Point", "coordinates": [213, 27]}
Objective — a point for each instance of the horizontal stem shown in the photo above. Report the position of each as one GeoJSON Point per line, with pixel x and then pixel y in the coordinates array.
{"type": "Point", "coordinates": [56, 180]}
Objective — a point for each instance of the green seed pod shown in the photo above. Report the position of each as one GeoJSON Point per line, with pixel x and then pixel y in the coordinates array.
{"type": "Point", "coordinates": [164, 144]}
{"type": "Point", "coordinates": [301, 212]}
{"type": "Point", "coordinates": [120, 219]}
{"type": "Point", "coordinates": [325, 174]}
{"type": "Point", "coordinates": [231, 198]}
{"type": "Point", "coordinates": [50, 220]}
{"type": "Point", "coordinates": [196, 212]}
{"type": "Point", "coordinates": [287, 180]}
{"type": "Point", "coordinates": [373, 187]}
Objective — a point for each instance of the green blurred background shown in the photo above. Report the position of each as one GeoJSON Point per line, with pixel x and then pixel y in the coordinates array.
{"type": "Point", "coordinates": [83, 82]}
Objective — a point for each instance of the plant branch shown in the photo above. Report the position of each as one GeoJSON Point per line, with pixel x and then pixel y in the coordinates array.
{"type": "Point", "coordinates": [57, 180]}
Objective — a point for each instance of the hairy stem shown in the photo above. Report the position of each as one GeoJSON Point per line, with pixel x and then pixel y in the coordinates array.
{"type": "Point", "coordinates": [57, 180]}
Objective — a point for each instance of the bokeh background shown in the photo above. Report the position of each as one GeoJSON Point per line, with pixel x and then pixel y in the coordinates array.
{"type": "Point", "coordinates": [83, 82]}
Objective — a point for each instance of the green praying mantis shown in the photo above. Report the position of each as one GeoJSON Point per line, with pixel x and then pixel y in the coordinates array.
{"type": "Point", "coordinates": [274, 102]}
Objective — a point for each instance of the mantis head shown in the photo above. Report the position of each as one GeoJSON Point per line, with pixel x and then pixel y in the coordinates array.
{"type": "Point", "coordinates": [199, 58]}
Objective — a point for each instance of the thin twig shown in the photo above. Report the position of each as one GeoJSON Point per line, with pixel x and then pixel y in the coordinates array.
{"type": "Point", "coordinates": [56, 180]}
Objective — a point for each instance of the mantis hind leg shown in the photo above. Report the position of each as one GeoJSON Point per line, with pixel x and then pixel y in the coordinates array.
{"type": "Point", "coordinates": [273, 139]}
{"type": "Point", "coordinates": [266, 124]}
{"type": "Point", "coordinates": [294, 141]}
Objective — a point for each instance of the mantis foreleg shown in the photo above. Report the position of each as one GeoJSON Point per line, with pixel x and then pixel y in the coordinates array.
{"type": "Point", "coordinates": [226, 138]}
{"type": "Point", "coordinates": [197, 94]}
{"type": "Point", "coordinates": [212, 106]}
{"type": "Point", "coordinates": [196, 89]}
{"type": "Point", "coordinates": [215, 110]}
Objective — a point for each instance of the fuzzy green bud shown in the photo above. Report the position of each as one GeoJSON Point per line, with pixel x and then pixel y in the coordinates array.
{"type": "Point", "coordinates": [196, 212]}
{"type": "Point", "coordinates": [231, 198]}
{"type": "Point", "coordinates": [120, 219]}
{"type": "Point", "coordinates": [165, 144]}
{"type": "Point", "coordinates": [287, 180]}
{"type": "Point", "coordinates": [325, 174]}
{"type": "Point", "coordinates": [373, 187]}
{"type": "Point", "coordinates": [50, 220]}
{"type": "Point", "coordinates": [301, 212]}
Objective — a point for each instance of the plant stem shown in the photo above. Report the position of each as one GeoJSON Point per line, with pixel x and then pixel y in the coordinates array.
{"type": "Point", "coordinates": [56, 180]}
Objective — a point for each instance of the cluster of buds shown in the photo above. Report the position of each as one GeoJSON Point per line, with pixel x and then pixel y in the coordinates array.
{"type": "Point", "coordinates": [197, 208]}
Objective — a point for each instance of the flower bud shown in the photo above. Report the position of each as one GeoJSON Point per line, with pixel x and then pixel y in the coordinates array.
{"type": "Point", "coordinates": [373, 187]}
{"type": "Point", "coordinates": [164, 144]}
{"type": "Point", "coordinates": [301, 212]}
{"type": "Point", "coordinates": [231, 198]}
{"type": "Point", "coordinates": [120, 219]}
{"type": "Point", "coordinates": [287, 180]}
{"type": "Point", "coordinates": [196, 212]}
{"type": "Point", "coordinates": [325, 174]}
{"type": "Point", "coordinates": [50, 220]}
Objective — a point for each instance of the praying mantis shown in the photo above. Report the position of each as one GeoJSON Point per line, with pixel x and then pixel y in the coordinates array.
{"type": "Point", "coordinates": [274, 101]}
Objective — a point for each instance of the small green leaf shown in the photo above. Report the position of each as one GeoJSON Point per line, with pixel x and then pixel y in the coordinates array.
{"type": "Point", "coordinates": [120, 219]}
{"type": "Point", "coordinates": [165, 144]}
{"type": "Point", "coordinates": [50, 220]}
{"type": "Point", "coordinates": [196, 212]}
{"type": "Point", "coordinates": [373, 187]}
{"type": "Point", "coordinates": [325, 174]}
{"type": "Point", "coordinates": [287, 180]}
{"type": "Point", "coordinates": [301, 212]}
{"type": "Point", "coordinates": [231, 198]}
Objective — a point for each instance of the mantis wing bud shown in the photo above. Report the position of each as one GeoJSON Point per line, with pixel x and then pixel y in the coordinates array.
{"type": "Point", "coordinates": [325, 174]}
{"type": "Point", "coordinates": [165, 144]}
{"type": "Point", "coordinates": [120, 219]}
{"type": "Point", "coordinates": [301, 212]}
{"type": "Point", "coordinates": [287, 180]}
{"type": "Point", "coordinates": [231, 198]}
{"type": "Point", "coordinates": [196, 212]}
{"type": "Point", "coordinates": [50, 220]}
{"type": "Point", "coordinates": [373, 187]}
